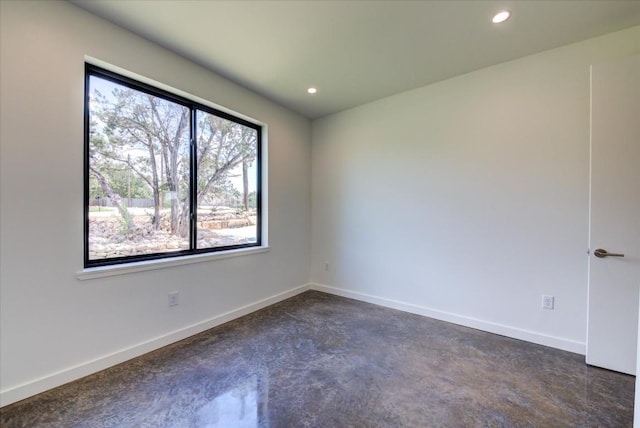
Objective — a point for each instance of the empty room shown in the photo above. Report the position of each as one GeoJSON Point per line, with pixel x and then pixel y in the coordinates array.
{"type": "Point", "coordinates": [319, 213]}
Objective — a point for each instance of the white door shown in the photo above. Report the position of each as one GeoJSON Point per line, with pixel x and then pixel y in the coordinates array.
{"type": "Point", "coordinates": [612, 326]}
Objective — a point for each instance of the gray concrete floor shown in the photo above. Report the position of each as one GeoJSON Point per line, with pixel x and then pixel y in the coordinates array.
{"type": "Point", "coordinates": [318, 360]}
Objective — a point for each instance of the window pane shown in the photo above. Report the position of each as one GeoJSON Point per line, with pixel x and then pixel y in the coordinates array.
{"type": "Point", "coordinates": [138, 172]}
{"type": "Point", "coordinates": [227, 180]}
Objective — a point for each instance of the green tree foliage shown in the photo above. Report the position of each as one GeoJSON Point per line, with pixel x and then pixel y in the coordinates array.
{"type": "Point", "coordinates": [222, 146]}
{"type": "Point", "coordinates": [139, 145]}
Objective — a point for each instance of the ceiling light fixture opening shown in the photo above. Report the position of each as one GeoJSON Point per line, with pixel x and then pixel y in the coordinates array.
{"type": "Point", "coordinates": [312, 90]}
{"type": "Point", "coordinates": [501, 16]}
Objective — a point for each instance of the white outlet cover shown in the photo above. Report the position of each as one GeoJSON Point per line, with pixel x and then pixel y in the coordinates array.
{"type": "Point", "coordinates": [173, 299]}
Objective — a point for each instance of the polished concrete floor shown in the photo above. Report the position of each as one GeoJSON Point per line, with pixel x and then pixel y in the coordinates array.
{"type": "Point", "coordinates": [318, 360]}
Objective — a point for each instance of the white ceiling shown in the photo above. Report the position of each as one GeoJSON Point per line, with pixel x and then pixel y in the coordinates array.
{"type": "Point", "coordinates": [357, 51]}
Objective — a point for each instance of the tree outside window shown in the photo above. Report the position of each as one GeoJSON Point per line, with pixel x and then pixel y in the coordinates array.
{"type": "Point", "coordinates": [165, 176]}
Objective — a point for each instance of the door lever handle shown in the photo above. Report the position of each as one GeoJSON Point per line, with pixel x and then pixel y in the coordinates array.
{"type": "Point", "coordinates": [604, 253]}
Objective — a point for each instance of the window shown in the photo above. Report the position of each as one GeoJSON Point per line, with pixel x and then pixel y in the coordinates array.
{"type": "Point", "coordinates": [165, 176]}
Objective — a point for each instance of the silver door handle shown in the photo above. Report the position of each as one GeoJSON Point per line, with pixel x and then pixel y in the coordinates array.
{"type": "Point", "coordinates": [603, 253]}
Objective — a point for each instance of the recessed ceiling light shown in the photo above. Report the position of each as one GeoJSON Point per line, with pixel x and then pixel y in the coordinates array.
{"type": "Point", "coordinates": [312, 90]}
{"type": "Point", "coordinates": [501, 16]}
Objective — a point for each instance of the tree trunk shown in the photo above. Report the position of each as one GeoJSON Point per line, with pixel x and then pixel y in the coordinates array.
{"type": "Point", "coordinates": [156, 209]}
{"type": "Point", "coordinates": [155, 186]}
{"type": "Point", "coordinates": [114, 197]}
{"type": "Point", "coordinates": [183, 223]}
{"type": "Point", "coordinates": [245, 185]}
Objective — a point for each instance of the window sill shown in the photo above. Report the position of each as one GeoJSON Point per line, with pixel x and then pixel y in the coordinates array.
{"type": "Point", "coordinates": [104, 271]}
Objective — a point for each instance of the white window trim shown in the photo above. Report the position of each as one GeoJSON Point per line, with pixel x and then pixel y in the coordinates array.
{"type": "Point", "coordinates": [148, 265]}
{"type": "Point", "coordinates": [132, 267]}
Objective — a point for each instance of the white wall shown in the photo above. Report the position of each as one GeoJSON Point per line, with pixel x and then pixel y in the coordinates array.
{"type": "Point", "coordinates": [53, 326]}
{"type": "Point", "coordinates": [466, 200]}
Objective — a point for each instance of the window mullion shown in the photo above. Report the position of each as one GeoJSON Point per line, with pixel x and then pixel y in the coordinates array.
{"type": "Point", "coordinates": [193, 180]}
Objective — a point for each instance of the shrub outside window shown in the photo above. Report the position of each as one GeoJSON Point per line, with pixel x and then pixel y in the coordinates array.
{"type": "Point", "coordinates": [165, 176]}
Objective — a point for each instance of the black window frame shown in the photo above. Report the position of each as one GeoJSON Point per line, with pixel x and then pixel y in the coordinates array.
{"type": "Point", "coordinates": [193, 106]}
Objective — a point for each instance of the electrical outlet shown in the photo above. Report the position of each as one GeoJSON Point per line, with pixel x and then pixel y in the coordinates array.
{"type": "Point", "coordinates": [547, 302]}
{"type": "Point", "coordinates": [173, 299]}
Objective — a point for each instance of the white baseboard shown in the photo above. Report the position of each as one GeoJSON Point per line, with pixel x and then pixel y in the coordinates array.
{"type": "Point", "coordinates": [53, 380]}
{"type": "Point", "coordinates": [503, 330]}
